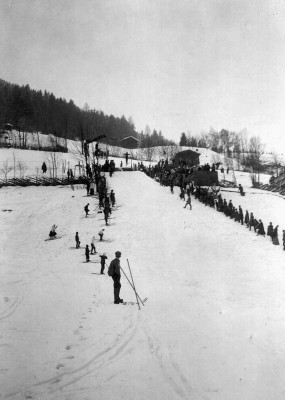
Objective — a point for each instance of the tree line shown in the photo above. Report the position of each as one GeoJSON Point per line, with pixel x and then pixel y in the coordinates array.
{"type": "Point", "coordinates": [37, 111]}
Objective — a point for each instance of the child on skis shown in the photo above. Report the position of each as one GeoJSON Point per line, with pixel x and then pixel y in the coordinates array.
{"type": "Point", "coordinates": [188, 201]}
{"type": "Point", "coordinates": [77, 241]}
{"type": "Point", "coordinates": [101, 234]}
{"type": "Point", "coordinates": [103, 260]}
{"type": "Point", "coordinates": [86, 209]}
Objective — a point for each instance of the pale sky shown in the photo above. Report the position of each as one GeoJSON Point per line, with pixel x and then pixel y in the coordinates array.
{"type": "Point", "coordinates": [176, 65]}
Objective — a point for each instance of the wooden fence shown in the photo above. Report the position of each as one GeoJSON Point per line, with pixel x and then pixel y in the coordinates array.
{"type": "Point", "coordinates": [40, 181]}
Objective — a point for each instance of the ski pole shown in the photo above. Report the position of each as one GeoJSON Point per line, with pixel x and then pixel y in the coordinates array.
{"type": "Point", "coordinates": [133, 284]}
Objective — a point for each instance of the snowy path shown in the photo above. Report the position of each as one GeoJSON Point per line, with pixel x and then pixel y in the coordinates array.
{"type": "Point", "coordinates": [212, 328]}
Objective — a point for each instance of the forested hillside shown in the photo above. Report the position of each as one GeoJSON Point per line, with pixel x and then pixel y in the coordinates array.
{"type": "Point", "coordinates": [29, 110]}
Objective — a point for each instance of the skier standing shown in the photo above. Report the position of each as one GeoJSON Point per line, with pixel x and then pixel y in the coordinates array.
{"type": "Point", "coordinates": [86, 209]}
{"type": "Point", "coordinates": [87, 252]}
{"type": "Point", "coordinates": [115, 270]}
{"type": "Point", "coordinates": [283, 239]}
{"type": "Point", "coordinates": [112, 198]}
{"type": "Point", "coordinates": [93, 248]}
{"type": "Point", "coordinates": [188, 201]}
{"type": "Point", "coordinates": [101, 234]}
{"type": "Point", "coordinates": [52, 233]}
{"type": "Point", "coordinates": [103, 260]}
{"type": "Point", "coordinates": [77, 241]}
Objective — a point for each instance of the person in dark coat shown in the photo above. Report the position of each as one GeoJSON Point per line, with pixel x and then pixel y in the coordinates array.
{"type": "Point", "coordinates": [115, 265]}
{"type": "Point", "coordinates": [283, 239]}
{"type": "Point", "coordinates": [260, 228]}
{"type": "Point", "coordinates": [103, 261]}
{"type": "Point", "coordinates": [240, 188]}
{"type": "Point", "coordinates": [87, 252]}
{"type": "Point", "coordinates": [275, 239]}
{"type": "Point", "coordinates": [86, 209]}
{"type": "Point", "coordinates": [251, 221]}
{"type": "Point", "coordinates": [270, 230]}
{"type": "Point", "coordinates": [246, 218]}
{"type": "Point", "coordinates": [77, 241]}
{"type": "Point", "coordinates": [107, 211]}
{"type": "Point", "coordinates": [44, 167]}
{"type": "Point", "coordinates": [112, 198]}
{"type": "Point", "coordinates": [240, 214]}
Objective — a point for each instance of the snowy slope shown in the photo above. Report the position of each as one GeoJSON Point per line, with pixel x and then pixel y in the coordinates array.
{"type": "Point", "coordinates": [212, 328]}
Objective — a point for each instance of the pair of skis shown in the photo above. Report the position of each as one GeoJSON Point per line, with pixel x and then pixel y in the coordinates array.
{"type": "Point", "coordinates": [139, 300]}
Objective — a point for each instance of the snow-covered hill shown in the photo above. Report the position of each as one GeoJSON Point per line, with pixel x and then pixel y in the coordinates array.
{"type": "Point", "coordinates": [213, 325]}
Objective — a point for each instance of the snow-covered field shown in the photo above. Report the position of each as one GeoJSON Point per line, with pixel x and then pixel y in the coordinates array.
{"type": "Point", "coordinates": [213, 326]}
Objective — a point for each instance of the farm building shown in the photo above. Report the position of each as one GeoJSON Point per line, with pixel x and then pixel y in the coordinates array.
{"type": "Point", "coordinates": [187, 157]}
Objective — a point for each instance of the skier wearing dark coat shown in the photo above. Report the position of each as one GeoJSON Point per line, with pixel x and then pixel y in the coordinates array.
{"type": "Point", "coordinates": [240, 214]}
{"type": "Point", "coordinates": [115, 265]}
{"type": "Point", "coordinates": [103, 261]}
{"type": "Point", "coordinates": [86, 209]}
{"type": "Point", "coordinates": [87, 252]}
{"type": "Point", "coordinates": [77, 241]}
{"type": "Point", "coordinates": [283, 239]}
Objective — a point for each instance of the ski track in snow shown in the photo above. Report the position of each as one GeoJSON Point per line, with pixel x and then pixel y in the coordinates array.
{"type": "Point", "coordinates": [85, 347]}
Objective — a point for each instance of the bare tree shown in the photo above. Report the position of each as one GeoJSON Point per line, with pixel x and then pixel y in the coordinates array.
{"type": "Point", "coordinates": [53, 159]}
{"type": "Point", "coordinates": [6, 168]}
{"type": "Point", "coordinates": [22, 167]}
{"type": "Point", "coordinates": [253, 158]}
{"type": "Point", "coordinates": [277, 162]}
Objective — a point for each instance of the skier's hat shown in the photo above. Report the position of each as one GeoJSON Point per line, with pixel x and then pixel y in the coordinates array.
{"type": "Point", "coordinates": [118, 253]}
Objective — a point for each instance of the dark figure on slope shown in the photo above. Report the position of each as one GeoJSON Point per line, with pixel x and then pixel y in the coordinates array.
{"type": "Point", "coordinates": [240, 188]}
{"type": "Point", "coordinates": [275, 239]}
{"type": "Point", "coordinates": [87, 252]}
{"type": "Point", "coordinates": [101, 234]}
{"type": "Point", "coordinates": [93, 248]}
{"type": "Point", "coordinates": [112, 198]}
{"type": "Point", "coordinates": [246, 218]}
{"type": "Point", "coordinates": [107, 211]}
{"type": "Point", "coordinates": [115, 272]}
{"type": "Point", "coordinates": [283, 239]}
{"type": "Point", "coordinates": [103, 261]}
{"type": "Point", "coordinates": [52, 233]}
{"type": "Point", "coordinates": [188, 202]}
{"type": "Point", "coordinates": [86, 209]}
{"type": "Point", "coordinates": [260, 228]}
{"type": "Point", "coordinates": [44, 167]}
{"type": "Point", "coordinates": [270, 230]}
{"type": "Point", "coordinates": [77, 241]}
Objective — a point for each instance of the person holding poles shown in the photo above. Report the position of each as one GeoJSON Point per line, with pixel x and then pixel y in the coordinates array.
{"type": "Point", "coordinates": [115, 271]}
{"type": "Point", "coordinates": [188, 202]}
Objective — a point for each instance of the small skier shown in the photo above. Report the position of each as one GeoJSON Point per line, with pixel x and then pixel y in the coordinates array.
{"type": "Point", "coordinates": [52, 233]}
{"type": "Point", "coordinates": [112, 198]}
{"type": "Point", "coordinates": [188, 201]}
{"type": "Point", "coordinates": [86, 209]}
{"type": "Point", "coordinates": [115, 272]}
{"type": "Point", "coordinates": [77, 241]}
{"type": "Point", "coordinates": [93, 248]}
{"type": "Point", "coordinates": [87, 252]}
{"type": "Point", "coordinates": [103, 261]}
{"type": "Point", "coordinates": [101, 234]}
{"type": "Point", "coordinates": [107, 211]}
{"type": "Point", "coordinates": [44, 167]}
{"type": "Point", "coordinates": [283, 239]}
{"type": "Point", "coordinates": [240, 188]}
